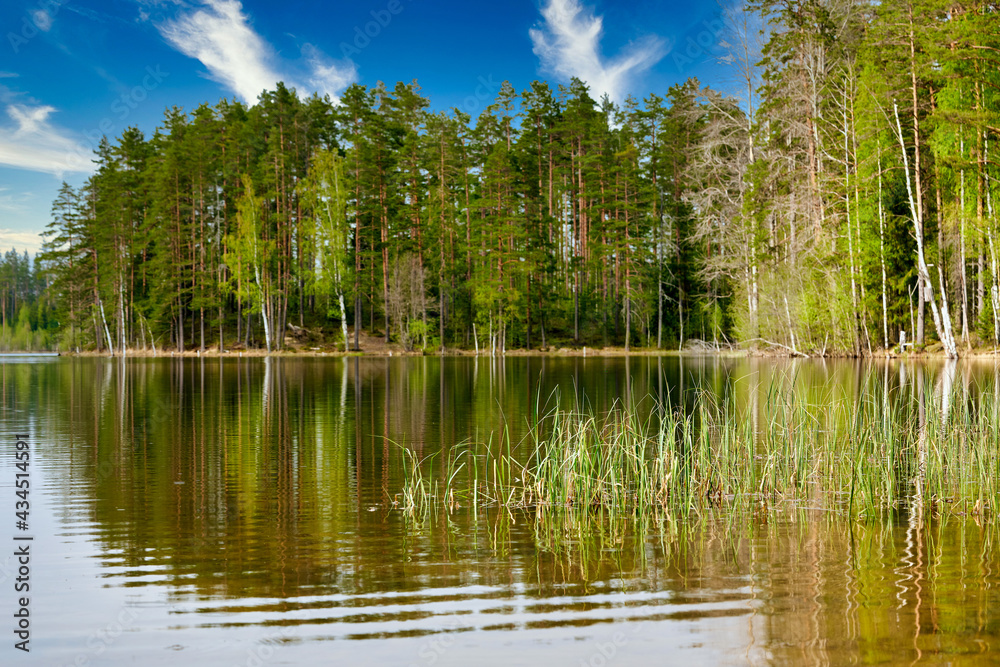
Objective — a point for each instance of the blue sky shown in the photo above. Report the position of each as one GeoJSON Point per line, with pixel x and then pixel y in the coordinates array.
{"type": "Point", "coordinates": [72, 70]}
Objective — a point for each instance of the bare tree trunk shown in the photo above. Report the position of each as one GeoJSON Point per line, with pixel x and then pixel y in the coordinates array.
{"type": "Point", "coordinates": [264, 307]}
{"type": "Point", "coordinates": [628, 311]}
{"type": "Point", "coordinates": [961, 243]}
{"type": "Point", "coordinates": [857, 221]}
{"type": "Point", "coordinates": [942, 322]}
{"type": "Point", "coordinates": [180, 327]}
{"type": "Point", "coordinates": [791, 330]}
{"type": "Point", "coordinates": [994, 291]}
{"type": "Point", "coordinates": [576, 307]}
{"type": "Point", "coordinates": [990, 232]}
{"type": "Point", "coordinates": [357, 319]}
{"type": "Point", "coordinates": [850, 236]}
{"type": "Point", "coordinates": [754, 294]}
{"type": "Point", "coordinates": [881, 255]}
{"type": "Point", "coordinates": [343, 321]}
{"type": "Point", "coordinates": [107, 332]}
{"type": "Point", "coordinates": [918, 334]}
{"type": "Point", "coordinates": [659, 309]}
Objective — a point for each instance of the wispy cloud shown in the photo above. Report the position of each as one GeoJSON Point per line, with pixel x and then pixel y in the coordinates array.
{"type": "Point", "coordinates": [328, 77]}
{"type": "Point", "coordinates": [33, 143]}
{"type": "Point", "coordinates": [11, 203]}
{"type": "Point", "coordinates": [568, 43]}
{"type": "Point", "coordinates": [219, 34]}
{"type": "Point", "coordinates": [10, 238]}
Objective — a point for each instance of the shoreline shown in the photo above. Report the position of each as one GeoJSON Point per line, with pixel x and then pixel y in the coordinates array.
{"type": "Point", "coordinates": [581, 352]}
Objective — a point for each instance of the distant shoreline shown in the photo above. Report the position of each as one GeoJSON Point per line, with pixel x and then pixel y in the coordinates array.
{"type": "Point", "coordinates": [581, 352]}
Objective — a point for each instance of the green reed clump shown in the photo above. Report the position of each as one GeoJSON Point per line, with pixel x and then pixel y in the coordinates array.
{"type": "Point", "coordinates": [586, 462]}
{"type": "Point", "coordinates": [860, 457]}
{"type": "Point", "coordinates": [422, 492]}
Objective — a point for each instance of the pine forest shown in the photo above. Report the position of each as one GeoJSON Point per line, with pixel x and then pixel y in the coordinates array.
{"type": "Point", "coordinates": [837, 196]}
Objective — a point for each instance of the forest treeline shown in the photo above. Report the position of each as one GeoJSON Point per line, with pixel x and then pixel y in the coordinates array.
{"type": "Point", "coordinates": [842, 194]}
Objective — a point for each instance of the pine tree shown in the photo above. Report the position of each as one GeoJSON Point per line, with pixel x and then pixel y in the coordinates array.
{"type": "Point", "coordinates": [65, 260]}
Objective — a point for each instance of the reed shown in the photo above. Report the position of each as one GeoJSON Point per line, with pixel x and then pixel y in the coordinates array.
{"type": "Point", "coordinates": [860, 458]}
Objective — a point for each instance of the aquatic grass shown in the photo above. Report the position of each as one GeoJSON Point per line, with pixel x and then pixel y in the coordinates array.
{"type": "Point", "coordinates": [421, 492]}
{"type": "Point", "coordinates": [860, 457]}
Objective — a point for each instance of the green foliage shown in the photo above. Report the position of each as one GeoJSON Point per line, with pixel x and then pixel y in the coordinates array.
{"type": "Point", "coordinates": [769, 219]}
{"type": "Point", "coordinates": [250, 258]}
{"type": "Point", "coordinates": [327, 235]}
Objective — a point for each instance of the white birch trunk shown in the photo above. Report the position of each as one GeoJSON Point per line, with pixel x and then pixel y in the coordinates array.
{"type": "Point", "coordinates": [107, 331]}
{"type": "Point", "coordinates": [343, 320]}
{"type": "Point", "coordinates": [942, 322]}
{"type": "Point", "coordinates": [961, 237]}
{"type": "Point", "coordinates": [881, 256]}
{"type": "Point", "coordinates": [263, 309]}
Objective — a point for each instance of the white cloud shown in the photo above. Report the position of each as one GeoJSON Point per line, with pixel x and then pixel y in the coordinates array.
{"type": "Point", "coordinates": [33, 143]}
{"type": "Point", "coordinates": [328, 77]}
{"type": "Point", "coordinates": [30, 241]}
{"type": "Point", "coordinates": [568, 44]}
{"type": "Point", "coordinates": [220, 36]}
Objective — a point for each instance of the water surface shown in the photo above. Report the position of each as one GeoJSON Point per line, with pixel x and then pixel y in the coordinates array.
{"type": "Point", "coordinates": [245, 512]}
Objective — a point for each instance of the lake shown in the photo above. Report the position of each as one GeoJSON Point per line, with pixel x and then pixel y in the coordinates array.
{"type": "Point", "coordinates": [247, 512]}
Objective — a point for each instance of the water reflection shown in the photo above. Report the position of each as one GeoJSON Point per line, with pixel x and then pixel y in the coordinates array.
{"type": "Point", "coordinates": [254, 498]}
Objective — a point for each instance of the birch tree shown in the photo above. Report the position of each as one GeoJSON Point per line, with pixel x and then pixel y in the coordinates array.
{"type": "Point", "coordinates": [325, 193]}
{"type": "Point", "coordinates": [248, 257]}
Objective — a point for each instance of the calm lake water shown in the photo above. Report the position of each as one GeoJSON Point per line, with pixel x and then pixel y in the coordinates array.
{"type": "Point", "coordinates": [242, 512]}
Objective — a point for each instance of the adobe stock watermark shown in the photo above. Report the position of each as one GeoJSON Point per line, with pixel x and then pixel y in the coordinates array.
{"type": "Point", "coordinates": [120, 109]}
{"type": "Point", "coordinates": [606, 652]}
{"type": "Point", "coordinates": [105, 637]}
{"type": "Point", "coordinates": [702, 44]}
{"type": "Point", "coordinates": [363, 35]}
{"type": "Point", "coordinates": [433, 649]}
{"type": "Point", "coordinates": [266, 648]}
{"type": "Point", "coordinates": [436, 646]}
{"type": "Point", "coordinates": [37, 19]}
{"type": "Point", "coordinates": [483, 94]}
